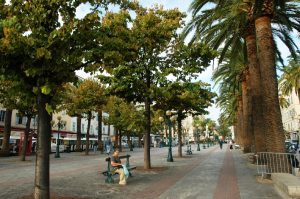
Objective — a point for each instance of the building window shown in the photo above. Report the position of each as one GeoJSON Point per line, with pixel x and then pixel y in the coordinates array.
{"type": "Point", "coordinates": [21, 120]}
{"type": "Point", "coordinates": [2, 116]}
{"type": "Point", "coordinates": [34, 122]}
{"type": "Point", "coordinates": [73, 126]}
{"type": "Point", "coordinates": [82, 127]}
{"type": "Point", "coordinates": [92, 129]}
{"type": "Point", "coordinates": [18, 119]}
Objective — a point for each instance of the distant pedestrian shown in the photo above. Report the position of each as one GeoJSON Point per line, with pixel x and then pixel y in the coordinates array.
{"type": "Point", "coordinates": [108, 146]}
{"type": "Point", "coordinates": [230, 145]}
{"type": "Point", "coordinates": [95, 146]}
{"type": "Point", "coordinates": [33, 147]}
{"type": "Point", "coordinates": [221, 144]}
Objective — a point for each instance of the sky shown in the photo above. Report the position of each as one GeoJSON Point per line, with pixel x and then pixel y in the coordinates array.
{"type": "Point", "coordinates": [183, 5]}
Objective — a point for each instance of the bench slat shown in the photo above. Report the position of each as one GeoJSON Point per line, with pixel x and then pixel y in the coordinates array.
{"type": "Point", "coordinates": [129, 169]}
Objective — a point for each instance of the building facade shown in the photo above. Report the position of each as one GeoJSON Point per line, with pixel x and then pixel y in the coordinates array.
{"type": "Point", "coordinates": [291, 114]}
{"type": "Point", "coordinates": [69, 128]}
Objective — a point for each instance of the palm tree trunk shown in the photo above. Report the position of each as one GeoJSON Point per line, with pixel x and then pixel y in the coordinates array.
{"type": "Point", "coordinates": [271, 108]}
{"type": "Point", "coordinates": [240, 122]}
{"type": "Point", "coordinates": [257, 122]}
{"type": "Point", "coordinates": [42, 184]}
{"type": "Point", "coordinates": [236, 134]}
{"type": "Point", "coordinates": [6, 134]}
{"type": "Point", "coordinates": [25, 141]}
{"type": "Point", "coordinates": [246, 113]}
{"type": "Point", "coordinates": [78, 140]}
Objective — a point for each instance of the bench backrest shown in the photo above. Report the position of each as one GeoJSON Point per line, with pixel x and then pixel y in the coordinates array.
{"type": "Point", "coordinates": [108, 160]}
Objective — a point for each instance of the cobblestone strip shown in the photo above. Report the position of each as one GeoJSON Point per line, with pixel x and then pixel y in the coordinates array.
{"type": "Point", "coordinates": [227, 187]}
{"type": "Point", "coordinates": [155, 189]}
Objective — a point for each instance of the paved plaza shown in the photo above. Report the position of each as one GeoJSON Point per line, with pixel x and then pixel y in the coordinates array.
{"type": "Point", "coordinates": [207, 174]}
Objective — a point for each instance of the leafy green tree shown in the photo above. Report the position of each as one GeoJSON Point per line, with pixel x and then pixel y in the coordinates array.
{"type": "Point", "coordinates": [186, 99]}
{"type": "Point", "coordinates": [7, 99]}
{"type": "Point", "coordinates": [283, 102]}
{"type": "Point", "coordinates": [125, 117]}
{"type": "Point", "coordinates": [86, 99]}
{"type": "Point", "coordinates": [15, 95]}
{"type": "Point", "coordinates": [69, 103]}
{"type": "Point", "coordinates": [139, 70]}
{"type": "Point", "coordinates": [26, 106]}
{"type": "Point", "coordinates": [223, 128]}
{"type": "Point", "coordinates": [42, 44]}
{"type": "Point", "coordinates": [290, 79]}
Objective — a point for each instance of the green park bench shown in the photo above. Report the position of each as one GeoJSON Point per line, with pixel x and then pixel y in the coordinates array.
{"type": "Point", "coordinates": [110, 173]}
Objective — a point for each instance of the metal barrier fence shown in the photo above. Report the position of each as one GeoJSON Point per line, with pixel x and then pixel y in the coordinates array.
{"type": "Point", "coordinates": [270, 162]}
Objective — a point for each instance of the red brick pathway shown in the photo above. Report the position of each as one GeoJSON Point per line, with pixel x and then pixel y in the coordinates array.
{"type": "Point", "coordinates": [157, 188]}
{"type": "Point", "coordinates": [227, 187]}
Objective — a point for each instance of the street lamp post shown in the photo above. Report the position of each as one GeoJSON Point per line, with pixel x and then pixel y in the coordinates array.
{"type": "Point", "coordinates": [60, 125]}
{"type": "Point", "coordinates": [168, 121]}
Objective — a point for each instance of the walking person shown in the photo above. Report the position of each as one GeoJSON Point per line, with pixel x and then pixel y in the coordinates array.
{"type": "Point", "coordinates": [221, 143]}
{"type": "Point", "coordinates": [230, 145]}
{"type": "Point", "coordinates": [95, 146]}
{"type": "Point", "coordinates": [108, 146]}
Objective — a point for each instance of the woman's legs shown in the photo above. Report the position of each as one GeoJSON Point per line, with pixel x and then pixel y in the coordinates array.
{"type": "Point", "coordinates": [122, 176]}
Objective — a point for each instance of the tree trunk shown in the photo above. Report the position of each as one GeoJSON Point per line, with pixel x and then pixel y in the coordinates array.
{"type": "Point", "coordinates": [246, 113]}
{"type": "Point", "coordinates": [236, 135]}
{"type": "Point", "coordinates": [25, 141]}
{"type": "Point", "coordinates": [271, 108]}
{"type": "Point", "coordinates": [120, 141]}
{"type": "Point", "coordinates": [6, 134]}
{"type": "Point", "coordinates": [130, 145]}
{"type": "Point", "coordinates": [140, 140]}
{"type": "Point", "coordinates": [100, 142]}
{"type": "Point", "coordinates": [147, 163]}
{"type": "Point", "coordinates": [41, 185]}
{"type": "Point", "coordinates": [87, 144]}
{"type": "Point", "coordinates": [255, 92]}
{"type": "Point", "coordinates": [108, 130]}
{"type": "Point", "coordinates": [78, 141]}
{"type": "Point", "coordinates": [147, 160]}
{"type": "Point", "coordinates": [240, 122]}
{"type": "Point", "coordinates": [116, 133]}
{"type": "Point", "coordinates": [179, 126]}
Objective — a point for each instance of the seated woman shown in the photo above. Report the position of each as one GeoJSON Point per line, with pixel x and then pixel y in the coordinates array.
{"type": "Point", "coordinates": [116, 163]}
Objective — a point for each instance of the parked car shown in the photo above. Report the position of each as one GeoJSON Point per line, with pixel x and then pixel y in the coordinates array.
{"type": "Point", "coordinates": [291, 146]}
{"type": "Point", "coordinates": [61, 148]}
{"type": "Point", "coordinates": [124, 144]}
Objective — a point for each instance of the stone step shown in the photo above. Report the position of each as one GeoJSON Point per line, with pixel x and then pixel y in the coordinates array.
{"type": "Point", "coordinates": [287, 185]}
